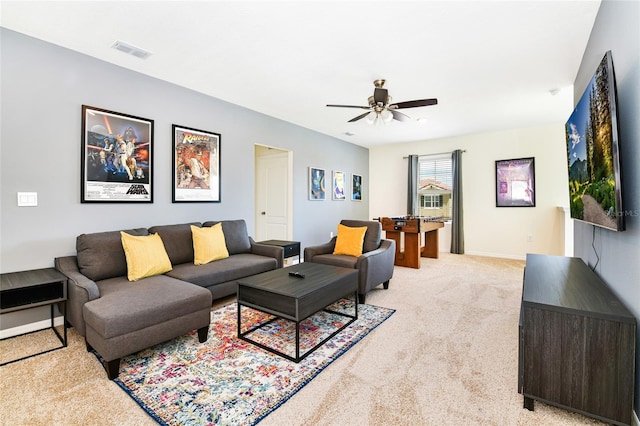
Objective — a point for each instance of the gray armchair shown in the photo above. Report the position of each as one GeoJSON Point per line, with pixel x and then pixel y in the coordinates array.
{"type": "Point", "coordinates": [375, 265]}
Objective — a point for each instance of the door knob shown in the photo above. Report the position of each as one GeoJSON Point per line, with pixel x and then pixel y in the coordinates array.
{"type": "Point", "coordinates": [263, 213]}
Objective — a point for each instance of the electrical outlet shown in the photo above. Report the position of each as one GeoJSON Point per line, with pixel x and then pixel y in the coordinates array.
{"type": "Point", "coordinates": [529, 238]}
{"type": "Point", "coordinates": [330, 234]}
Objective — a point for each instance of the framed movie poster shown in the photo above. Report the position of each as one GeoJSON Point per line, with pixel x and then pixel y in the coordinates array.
{"type": "Point", "coordinates": [317, 189]}
{"type": "Point", "coordinates": [117, 161]}
{"type": "Point", "coordinates": [515, 183]}
{"type": "Point", "coordinates": [339, 186]}
{"type": "Point", "coordinates": [356, 187]}
{"type": "Point", "coordinates": [196, 165]}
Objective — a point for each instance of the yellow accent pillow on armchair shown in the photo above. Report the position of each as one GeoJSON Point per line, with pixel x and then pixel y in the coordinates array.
{"type": "Point", "coordinates": [350, 240]}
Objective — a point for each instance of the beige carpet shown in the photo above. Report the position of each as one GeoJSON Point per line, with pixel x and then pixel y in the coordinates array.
{"type": "Point", "coordinates": [448, 356]}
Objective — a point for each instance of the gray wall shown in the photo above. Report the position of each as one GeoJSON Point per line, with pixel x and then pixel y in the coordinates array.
{"type": "Point", "coordinates": [617, 28]}
{"type": "Point", "coordinates": [42, 89]}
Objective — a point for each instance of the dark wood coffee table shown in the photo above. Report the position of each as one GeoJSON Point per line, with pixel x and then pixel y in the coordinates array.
{"type": "Point", "coordinates": [296, 299]}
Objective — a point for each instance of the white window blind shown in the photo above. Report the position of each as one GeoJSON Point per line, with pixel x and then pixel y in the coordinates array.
{"type": "Point", "coordinates": [435, 168]}
{"type": "Point", "coordinates": [435, 182]}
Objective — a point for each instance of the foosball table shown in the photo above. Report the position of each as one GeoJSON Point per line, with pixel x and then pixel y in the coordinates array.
{"type": "Point", "coordinates": [412, 228]}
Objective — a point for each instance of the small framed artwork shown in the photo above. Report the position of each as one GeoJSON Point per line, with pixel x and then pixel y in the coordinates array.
{"type": "Point", "coordinates": [317, 187]}
{"type": "Point", "coordinates": [338, 192]}
{"type": "Point", "coordinates": [515, 183]}
{"type": "Point", "coordinates": [356, 187]}
{"type": "Point", "coordinates": [116, 160]}
{"type": "Point", "coordinates": [196, 165]}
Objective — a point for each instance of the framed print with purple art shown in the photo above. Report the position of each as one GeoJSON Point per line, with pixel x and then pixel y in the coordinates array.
{"type": "Point", "coordinates": [515, 183]}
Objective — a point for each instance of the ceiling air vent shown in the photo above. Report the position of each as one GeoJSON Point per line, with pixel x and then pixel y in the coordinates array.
{"type": "Point", "coordinates": [131, 49]}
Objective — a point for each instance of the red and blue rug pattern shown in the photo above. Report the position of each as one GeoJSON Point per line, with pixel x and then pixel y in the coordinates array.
{"type": "Point", "coordinates": [227, 381]}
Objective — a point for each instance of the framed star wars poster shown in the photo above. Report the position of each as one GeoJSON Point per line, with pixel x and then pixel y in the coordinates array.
{"type": "Point", "coordinates": [196, 165]}
{"type": "Point", "coordinates": [116, 160]}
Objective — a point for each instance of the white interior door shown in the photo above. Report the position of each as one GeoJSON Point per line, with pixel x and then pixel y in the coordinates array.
{"type": "Point", "coordinates": [273, 194]}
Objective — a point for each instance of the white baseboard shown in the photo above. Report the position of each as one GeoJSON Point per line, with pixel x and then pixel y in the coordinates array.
{"type": "Point", "coordinates": [498, 255]}
{"type": "Point", "coordinates": [28, 328]}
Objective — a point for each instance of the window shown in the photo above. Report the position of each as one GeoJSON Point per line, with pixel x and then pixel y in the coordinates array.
{"type": "Point", "coordinates": [431, 201]}
{"type": "Point", "coordinates": [435, 185]}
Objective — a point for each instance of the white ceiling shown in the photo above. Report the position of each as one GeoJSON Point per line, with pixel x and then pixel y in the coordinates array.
{"type": "Point", "coordinates": [491, 64]}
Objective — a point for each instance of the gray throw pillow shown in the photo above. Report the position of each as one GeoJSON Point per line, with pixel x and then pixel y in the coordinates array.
{"type": "Point", "coordinates": [101, 256]}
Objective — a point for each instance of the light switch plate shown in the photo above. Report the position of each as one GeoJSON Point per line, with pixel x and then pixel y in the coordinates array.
{"type": "Point", "coordinates": [27, 199]}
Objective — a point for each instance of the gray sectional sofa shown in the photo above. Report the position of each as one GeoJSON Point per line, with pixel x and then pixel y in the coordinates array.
{"type": "Point", "coordinates": [119, 317]}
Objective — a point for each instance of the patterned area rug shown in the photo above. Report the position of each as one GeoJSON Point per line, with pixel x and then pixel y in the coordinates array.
{"type": "Point", "coordinates": [228, 381]}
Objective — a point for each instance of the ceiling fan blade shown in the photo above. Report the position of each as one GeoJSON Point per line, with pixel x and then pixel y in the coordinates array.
{"type": "Point", "coordinates": [349, 106]}
{"type": "Point", "coordinates": [414, 104]}
{"type": "Point", "coordinates": [361, 116]}
{"type": "Point", "coordinates": [380, 95]}
{"type": "Point", "coordinates": [399, 116]}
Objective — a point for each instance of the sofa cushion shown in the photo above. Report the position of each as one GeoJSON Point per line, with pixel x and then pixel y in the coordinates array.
{"type": "Point", "coordinates": [349, 240]}
{"type": "Point", "coordinates": [129, 306]}
{"type": "Point", "coordinates": [208, 244]}
{"type": "Point", "coordinates": [373, 236]}
{"type": "Point", "coordinates": [232, 268]}
{"type": "Point", "coordinates": [145, 256]}
{"type": "Point", "coordinates": [235, 235]}
{"type": "Point", "coordinates": [177, 241]}
{"type": "Point", "coordinates": [101, 256]}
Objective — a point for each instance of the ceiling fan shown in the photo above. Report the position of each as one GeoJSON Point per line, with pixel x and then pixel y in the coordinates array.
{"type": "Point", "coordinates": [381, 108]}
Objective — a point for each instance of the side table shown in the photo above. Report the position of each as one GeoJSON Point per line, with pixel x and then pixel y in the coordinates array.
{"type": "Point", "coordinates": [31, 289]}
{"type": "Point", "coordinates": [291, 248]}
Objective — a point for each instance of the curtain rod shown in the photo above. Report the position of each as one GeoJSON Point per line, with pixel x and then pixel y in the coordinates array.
{"type": "Point", "coordinates": [439, 153]}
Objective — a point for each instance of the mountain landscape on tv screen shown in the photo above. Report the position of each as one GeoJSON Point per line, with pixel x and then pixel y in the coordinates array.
{"type": "Point", "coordinates": [589, 133]}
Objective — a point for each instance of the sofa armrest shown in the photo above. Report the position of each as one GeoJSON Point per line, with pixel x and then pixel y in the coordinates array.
{"type": "Point", "coordinates": [276, 252]}
{"type": "Point", "coordinates": [69, 266]}
{"type": "Point", "coordinates": [326, 248]}
{"type": "Point", "coordinates": [377, 265]}
{"type": "Point", "coordinates": [80, 290]}
{"type": "Point", "coordinates": [383, 250]}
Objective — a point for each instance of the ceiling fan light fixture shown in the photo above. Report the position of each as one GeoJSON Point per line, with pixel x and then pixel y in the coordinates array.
{"type": "Point", "coordinates": [371, 118]}
{"type": "Point", "coordinates": [381, 110]}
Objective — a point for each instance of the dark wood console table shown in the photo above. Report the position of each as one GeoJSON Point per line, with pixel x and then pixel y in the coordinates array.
{"type": "Point", "coordinates": [30, 289]}
{"type": "Point", "coordinates": [412, 228]}
{"type": "Point", "coordinates": [576, 341]}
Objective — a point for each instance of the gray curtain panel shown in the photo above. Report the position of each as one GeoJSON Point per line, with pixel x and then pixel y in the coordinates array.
{"type": "Point", "coordinates": [457, 225]}
{"type": "Point", "coordinates": [412, 193]}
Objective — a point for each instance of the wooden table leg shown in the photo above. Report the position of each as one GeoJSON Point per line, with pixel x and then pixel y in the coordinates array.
{"type": "Point", "coordinates": [410, 257]}
{"type": "Point", "coordinates": [431, 244]}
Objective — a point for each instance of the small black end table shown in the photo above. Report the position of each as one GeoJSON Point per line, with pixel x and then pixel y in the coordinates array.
{"type": "Point", "coordinates": [291, 248]}
{"type": "Point", "coordinates": [31, 289]}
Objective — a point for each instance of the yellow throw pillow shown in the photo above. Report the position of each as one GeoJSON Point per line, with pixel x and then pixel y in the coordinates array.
{"type": "Point", "coordinates": [146, 256]}
{"type": "Point", "coordinates": [350, 240]}
{"type": "Point", "coordinates": [208, 244]}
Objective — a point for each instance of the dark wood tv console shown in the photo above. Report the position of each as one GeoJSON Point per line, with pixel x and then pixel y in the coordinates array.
{"type": "Point", "coordinates": [577, 341]}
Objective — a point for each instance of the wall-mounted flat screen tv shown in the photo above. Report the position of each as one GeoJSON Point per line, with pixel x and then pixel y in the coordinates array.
{"type": "Point", "coordinates": [593, 153]}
